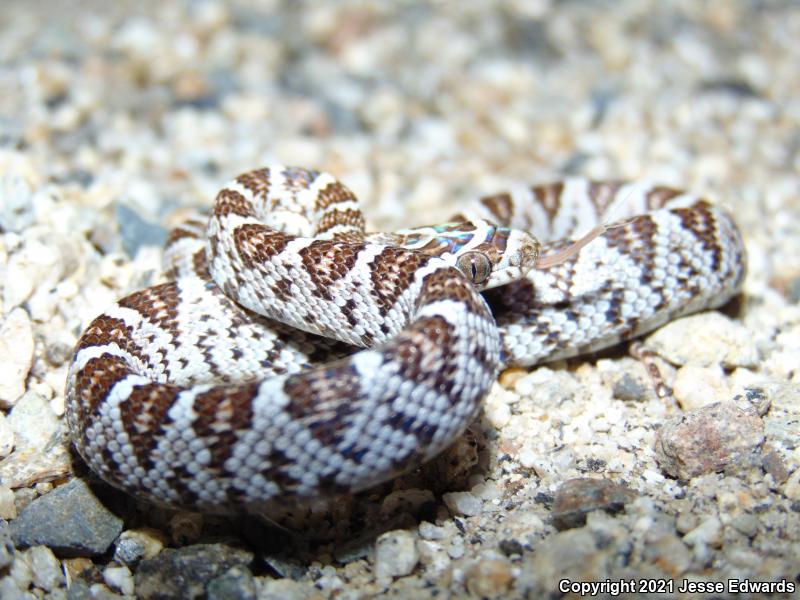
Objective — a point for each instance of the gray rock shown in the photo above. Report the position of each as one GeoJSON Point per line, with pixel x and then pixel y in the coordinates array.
{"type": "Point", "coordinates": [629, 388]}
{"type": "Point", "coordinates": [79, 590]}
{"type": "Point", "coordinates": [186, 572]}
{"type": "Point", "coordinates": [572, 554]}
{"type": "Point", "coordinates": [136, 232]}
{"type": "Point", "coordinates": [746, 524]}
{"type": "Point", "coordinates": [708, 440]}
{"type": "Point", "coordinates": [576, 498]}
{"type": "Point", "coordinates": [70, 520]}
{"type": "Point", "coordinates": [235, 584]}
{"type": "Point", "coordinates": [135, 544]}
{"type": "Point", "coordinates": [10, 589]}
{"type": "Point", "coordinates": [6, 547]}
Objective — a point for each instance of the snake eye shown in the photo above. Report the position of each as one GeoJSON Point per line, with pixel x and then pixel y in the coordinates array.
{"type": "Point", "coordinates": [476, 266]}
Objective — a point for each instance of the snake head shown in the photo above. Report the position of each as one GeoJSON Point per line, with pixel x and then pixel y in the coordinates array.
{"type": "Point", "coordinates": [504, 256]}
{"type": "Point", "coordinates": [488, 255]}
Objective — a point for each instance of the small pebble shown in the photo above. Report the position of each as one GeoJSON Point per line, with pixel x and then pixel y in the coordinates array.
{"type": "Point", "coordinates": [21, 571]}
{"type": "Point", "coordinates": [236, 583]}
{"type": "Point", "coordinates": [396, 554]}
{"type": "Point", "coordinates": [432, 556]}
{"type": "Point", "coordinates": [707, 533]}
{"type": "Point", "coordinates": [76, 568]}
{"type": "Point", "coordinates": [16, 355]}
{"type": "Point", "coordinates": [578, 497]}
{"type": "Point", "coordinates": [6, 548]}
{"type": "Point", "coordinates": [70, 520]}
{"type": "Point", "coordinates": [287, 589]}
{"type": "Point", "coordinates": [463, 503]}
{"type": "Point", "coordinates": [746, 524]}
{"type": "Point", "coordinates": [791, 489]}
{"type": "Point", "coordinates": [629, 388]}
{"type": "Point", "coordinates": [119, 579]}
{"type": "Point", "coordinates": [33, 422]}
{"type": "Point", "coordinates": [706, 339]}
{"type": "Point", "coordinates": [773, 464]}
{"type": "Point", "coordinates": [708, 440]}
{"type": "Point", "coordinates": [8, 508]}
{"type": "Point", "coordinates": [135, 544]}
{"type": "Point", "coordinates": [490, 578]}
{"type": "Point", "coordinates": [6, 437]}
{"type": "Point", "coordinates": [696, 386]}
{"type": "Point", "coordinates": [429, 531]}
{"type": "Point", "coordinates": [185, 572]}
{"type": "Point", "coordinates": [45, 567]}
{"type": "Point", "coordinates": [669, 553]}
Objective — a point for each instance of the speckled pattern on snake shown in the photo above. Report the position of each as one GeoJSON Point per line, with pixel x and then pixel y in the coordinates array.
{"type": "Point", "coordinates": [209, 392]}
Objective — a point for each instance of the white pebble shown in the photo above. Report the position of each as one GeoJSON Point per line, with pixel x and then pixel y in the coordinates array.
{"type": "Point", "coordinates": [705, 339]}
{"type": "Point", "coordinates": [463, 503]}
{"type": "Point", "coordinates": [707, 533]}
{"type": "Point", "coordinates": [6, 437]}
{"type": "Point", "coordinates": [33, 422]}
{"type": "Point", "coordinates": [395, 554]}
{"type": "Point", "coordinates": [120, 579]}
{"type": "Point", "coordinates": [8, 510]}
{"type": "Point", "coordinates": [45, 568]}
{"type": "Point", "coordinates": [696, 386]}
{"type": "Point", "coordinates": [16, 355]}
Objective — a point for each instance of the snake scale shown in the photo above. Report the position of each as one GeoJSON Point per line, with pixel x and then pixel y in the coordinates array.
{"type": "Point", "coordinates": [212, 391]}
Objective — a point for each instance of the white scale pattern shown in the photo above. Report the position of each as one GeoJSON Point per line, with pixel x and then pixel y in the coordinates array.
{"type": "Point", "coordinates": [150, 406]}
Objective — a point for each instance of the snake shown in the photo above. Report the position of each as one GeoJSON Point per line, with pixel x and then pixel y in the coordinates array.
{"type": "Point", "coordinates": [293, 356]}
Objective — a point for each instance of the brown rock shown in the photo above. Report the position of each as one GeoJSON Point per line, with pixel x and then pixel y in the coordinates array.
{"type": "Point", "coordinates": [578, 497]}
{"type": "Point", "coordinates": [708, 440]}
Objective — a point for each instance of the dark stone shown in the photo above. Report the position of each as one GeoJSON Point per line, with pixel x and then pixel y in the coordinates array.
{"type": "Point", "coordinates": [136, 232]}
{"type": "Point", "coordinates": [629, 388]}
{"type": "Point", "coordinates": [595, 464]}
{"type": "Point", "coordinates": [509, 547]}
{"type": "Point", "coordinates": [773, 464]}
{"type": "Point", "coordinates": [734, 87]}
{"type": "Point", "coordinates": [578, 497]}
{"type": "Point", "coordinates": [79, 590]}
{"type": "Point", "coordinates": [186, 572]}
{"type": "Point", "coordinates": [70, 520]}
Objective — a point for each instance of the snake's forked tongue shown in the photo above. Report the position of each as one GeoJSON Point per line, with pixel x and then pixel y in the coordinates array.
{"type": "Point", "coordinates": [563, 255]}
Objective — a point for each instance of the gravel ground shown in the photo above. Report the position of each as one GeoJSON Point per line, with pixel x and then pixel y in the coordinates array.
{"type": "Point", "coordinates": [113, 123]}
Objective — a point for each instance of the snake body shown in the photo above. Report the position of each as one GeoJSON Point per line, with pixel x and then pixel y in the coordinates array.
{"type": "Point", "coordinates": [208, 391]}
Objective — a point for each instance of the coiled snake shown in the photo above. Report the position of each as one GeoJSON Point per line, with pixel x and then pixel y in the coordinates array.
{"type": "Point", "coordinates": [185, 394]}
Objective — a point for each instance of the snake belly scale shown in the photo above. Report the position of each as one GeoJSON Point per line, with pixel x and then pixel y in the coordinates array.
{"type": "Point", "coordinates": [212, 391]}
